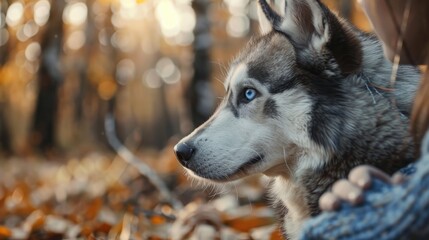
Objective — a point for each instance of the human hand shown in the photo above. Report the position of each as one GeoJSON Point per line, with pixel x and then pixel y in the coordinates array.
{"type": "Point", "coordinates": [351, 190]}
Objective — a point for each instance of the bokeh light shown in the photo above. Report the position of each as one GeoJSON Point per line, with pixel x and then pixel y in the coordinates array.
{"type": "Point", "coordinates": [129, 9]}
{"type": "Point", "coordinates": [107, 89]}
{"type": "Point", "coordinates": [177, 21]}
{"type": "Point", "coordinates": [168, 17]}
{"type": "Point", "coordinates": [75, 13]}
{"type": "Point", "coordinates": [238, 26]}
{"type": "Point", "coordinates": [30, 29]}
{"type": "Point", "coordinates": [128, 3]}
{"type": "Point", "coordinates": [20, 34]}
{"type": "Point", "coordinates": [239, 23]}
{"type": "Point", "coordinates": [76, 40]}
{"type": "Point", "coordinates": [237, 7]}
{"type": "Point", "coordinates": [33, 51]}
{"type": "Point", "coordinates": [41, 12]}
{"type": "Point", "coordinates": [125, 71]}
{"type": "Point", "coordinates": [168, 71]}
{"type": "Point", "coordinates": [14, 14]}
{"type": "Point", "coordinates": [124, 40]}
{"type": "Point", "coordinates": [151, 79]}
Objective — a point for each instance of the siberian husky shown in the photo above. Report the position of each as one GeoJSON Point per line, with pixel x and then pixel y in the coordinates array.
{"type": "Point", "coordinates": [305, 103]}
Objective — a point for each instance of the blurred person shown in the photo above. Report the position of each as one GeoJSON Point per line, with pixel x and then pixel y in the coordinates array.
{"type": "Point", "coordinates": [370, 204]}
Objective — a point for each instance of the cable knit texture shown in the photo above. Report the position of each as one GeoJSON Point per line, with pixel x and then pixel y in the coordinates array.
{"type": "Point", "coordinates": [388, 212]}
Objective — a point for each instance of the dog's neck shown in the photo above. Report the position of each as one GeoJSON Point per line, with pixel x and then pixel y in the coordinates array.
{"type": "Point", "coordinates": [289, 190]}
{"type": "Point", "coordinates": [292, 201]}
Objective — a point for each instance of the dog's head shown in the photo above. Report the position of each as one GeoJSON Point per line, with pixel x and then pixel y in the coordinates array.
{"type": "Point", "coordinates": [277, 92]}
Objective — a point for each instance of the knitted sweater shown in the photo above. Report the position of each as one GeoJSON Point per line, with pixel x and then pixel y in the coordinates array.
{"type": "Point", "coordinates": [388, 212]}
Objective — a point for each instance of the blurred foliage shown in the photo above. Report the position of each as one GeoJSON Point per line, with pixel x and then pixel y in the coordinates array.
{"type": "Point", "coordinates": [140, 53]}
{"type": "Point", "coordinates": [98, 196]}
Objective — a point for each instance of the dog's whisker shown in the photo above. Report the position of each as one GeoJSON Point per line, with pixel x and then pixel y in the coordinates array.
{"type": "Point", "coordinates": [370, 92]}
{"type": "Point", "coordinates": [219, 81]}
{"type": "Point", "coordinates": [285, 160]}
{"type": "Point", "coordinates": [236, 192]}
{"type": "Point", "coordinates": [378, 92]}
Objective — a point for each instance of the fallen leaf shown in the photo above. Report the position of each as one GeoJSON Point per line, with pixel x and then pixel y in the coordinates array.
{"type": "Point", "coordinates": [5, 231]}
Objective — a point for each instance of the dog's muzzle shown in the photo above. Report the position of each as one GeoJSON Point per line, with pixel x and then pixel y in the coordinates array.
{"type": "Point", "coordinates": [184, 153]}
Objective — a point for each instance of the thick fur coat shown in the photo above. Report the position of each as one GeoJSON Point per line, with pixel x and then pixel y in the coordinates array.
{"type": "Point", "coordinates": [305, 103]}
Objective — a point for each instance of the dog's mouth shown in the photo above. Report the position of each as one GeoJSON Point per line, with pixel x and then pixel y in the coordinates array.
{"type": "Point", "coordinates": [252, 162]}
{"type": "Point", "coordinates": [225, 176]}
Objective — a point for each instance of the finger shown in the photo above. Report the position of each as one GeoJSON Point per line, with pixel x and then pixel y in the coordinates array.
{"type": "Point", "coordinates": [398, 178]}
{"type": "Point", "coordinates": [329, 202]}
{"type": "Point", "coordinates": [362, 176]}
{"type": "Point", "coordinates": [347, 191]}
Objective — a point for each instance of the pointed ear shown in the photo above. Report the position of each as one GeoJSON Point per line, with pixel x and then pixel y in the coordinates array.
{"type": "Point", "coordinates": [316, 32]}
{"type": "Point", "coordinates": [304, 22]}
{"type": "Point", "coordinates": [264, 25]}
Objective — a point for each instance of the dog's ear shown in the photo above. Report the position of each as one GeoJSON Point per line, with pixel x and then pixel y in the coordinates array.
{"type": "Point", "coordinates": [302, 21]}
{"type": "Point", "coordinates": [264, 23]}
{"type": "Point", "coordinates": [314, 31]}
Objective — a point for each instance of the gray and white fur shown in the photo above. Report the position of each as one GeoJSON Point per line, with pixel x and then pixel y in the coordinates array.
{"type": "Point", "coordinates": [323, 104]}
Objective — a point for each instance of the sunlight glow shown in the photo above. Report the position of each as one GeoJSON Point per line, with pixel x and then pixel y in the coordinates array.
{"type": "Point", "coordinates": [14, 14]}
{"type": "Point", "coordinates": [33, 51]}
{"type": "Point", "coordinates": [187, 18]}
{"type": "Point", "coordinates": [177, 20]}
{"type": "Point", "coordinates": [76, 40]}
{"type": "Point", "coordinates": [129, 9]}
{"type": "Point", "coordinates": [30, 29]}
{"type": "Point", "coordinates": [168, 71]}
{"type": "Point", "coordinates": [128, 3]}
{"type": "Point", "coordinates": [238, 26]}
{"type": "Point", "coordinates": [75, 13]}
{"type": "Point", "coordinates": [41, 12]}
{"type": "Point", "coordinates": [123, 40]}
{"type": "Point", "coordinates": [106, 90]}
{"type": "Point", "coordinates": [151, 79]}
{"type": "Point", "coordinates": [129, 13]}
{"type": "Point", "coordinates": [168, 17]}
{"type": "Point", "coordinates": [184, 39]}
{"type": "Point", "coordinates": [117, 21]}
{"type": "Point", "coordinates": [125, 71]}
{"type": "Point", "coordinates": [20, 35]}
{"type": "Point", "coordinates": [184, 1]}
{"type": "Point", "coordinates": [237, 7]}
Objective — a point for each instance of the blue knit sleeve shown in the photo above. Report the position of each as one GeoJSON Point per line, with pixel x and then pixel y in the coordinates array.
{"type": "Point", "coordinates": [388, 212]}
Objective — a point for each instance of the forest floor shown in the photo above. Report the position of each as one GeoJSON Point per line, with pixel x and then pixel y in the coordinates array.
{"type": "Point", "coordinates": [99, 196]}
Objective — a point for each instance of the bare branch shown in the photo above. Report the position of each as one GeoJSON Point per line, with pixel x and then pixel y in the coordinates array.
{"type": "Point", "coordinates": [130, 158]}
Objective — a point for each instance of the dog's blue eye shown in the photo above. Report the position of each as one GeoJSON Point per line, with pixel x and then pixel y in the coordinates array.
{"type": "Point", "coordinates": [250, 94]}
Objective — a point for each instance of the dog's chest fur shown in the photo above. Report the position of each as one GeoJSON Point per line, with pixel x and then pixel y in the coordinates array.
{"type": "Point", "coordinates": [323, 103]}
{"type": "Point", "coordinates": [378, 136]}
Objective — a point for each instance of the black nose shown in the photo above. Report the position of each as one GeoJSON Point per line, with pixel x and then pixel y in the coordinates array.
{"type": "Point", "coordinates": [183, 152]}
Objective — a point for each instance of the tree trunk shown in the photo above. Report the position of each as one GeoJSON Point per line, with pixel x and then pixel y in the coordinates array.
{"type": "Point", "coordinates": [200, 92]}
{"type": "Point", "coordinates": [49, 79]}
{"type": "Point", "coordinates": [5, 140]}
